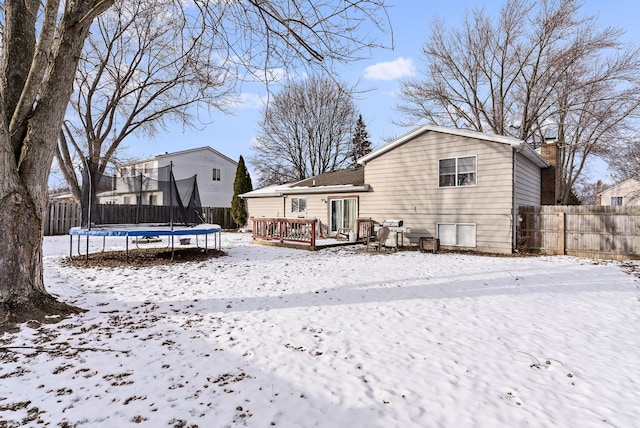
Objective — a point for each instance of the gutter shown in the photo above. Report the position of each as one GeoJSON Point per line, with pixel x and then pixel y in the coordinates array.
{"type": "Point", "coordinates": [529, 153]}
{"type": "Point", "coordinates": [309, 190]}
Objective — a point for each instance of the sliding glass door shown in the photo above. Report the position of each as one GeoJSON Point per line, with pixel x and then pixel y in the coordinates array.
{"type": "Point", "coordinates": [343, 213]}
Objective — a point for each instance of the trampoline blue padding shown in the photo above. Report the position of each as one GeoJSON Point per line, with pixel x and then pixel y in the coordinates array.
{"type": "Point", "coordinates": [145, 230]}
{"type": "Point", "coordinates": [137, 230]}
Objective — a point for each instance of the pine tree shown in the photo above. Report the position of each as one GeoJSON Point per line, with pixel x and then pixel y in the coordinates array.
{"type": "Point", "coordinates": [241, 184]}
{"type": "Point", "coordinates": [360, 144]}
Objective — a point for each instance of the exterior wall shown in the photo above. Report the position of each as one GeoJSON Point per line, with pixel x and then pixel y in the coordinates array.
{"type": "Point", "coordinates": [202, 162]}
{"type": "Point", "coordinates": [120, 198]}
{"type": "Point", "coordinates": [528, 182]}
{"type": "Point", "coordinates": [278, 206]}
{"type": "Point", "coordinates": [264, 207]}
{"type": "Point", "coordinates": [629, 191]}
{"type": "Point", "coordinates": [405, 186]}
{"type": "Point", "coordinates": [527, 187]}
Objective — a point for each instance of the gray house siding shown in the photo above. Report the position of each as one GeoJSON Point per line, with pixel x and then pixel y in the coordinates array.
{"type": "Point", "coordinates": [187, 163]}
{"type": "Point", "coordinates": [213, 193]}
{"type": "Point", "coordinates": [527, 187]}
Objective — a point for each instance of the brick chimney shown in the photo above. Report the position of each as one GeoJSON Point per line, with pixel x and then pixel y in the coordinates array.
{"type": "Point", "coordinates": [599, 189]}
{"type": "Point", "coordinates": [550, 177]}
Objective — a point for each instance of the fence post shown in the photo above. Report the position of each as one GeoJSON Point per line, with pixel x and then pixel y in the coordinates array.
{"type": "Point", "coordinates": [313, 234]}
{"type": "Point", "coordinates": [561, 233]}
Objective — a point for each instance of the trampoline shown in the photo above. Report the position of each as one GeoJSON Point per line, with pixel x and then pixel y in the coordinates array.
{"type": "Point", "coordinates": [145, 231]}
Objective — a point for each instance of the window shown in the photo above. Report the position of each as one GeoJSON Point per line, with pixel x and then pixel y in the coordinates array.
{"type": "Point", "coordinates": [616, 201]}
{"type": "Point", "coordinates": [127, 200]}
{"type": "Point", "coordinates": [455, 172]}
{"type": "Point", "coordinates": [153, 199]}
{"type": "Point", "coordinates": [298, 205]}
{"type": "Point", "coordinates": [216, 174]}
{"type": "Point", "coordinates": [457, 234]}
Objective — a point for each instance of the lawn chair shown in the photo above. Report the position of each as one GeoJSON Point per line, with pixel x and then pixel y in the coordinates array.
{"type": "Point", "coordinates": [343, 233]}
{"type": "Point", "coordinates": [379, 239]}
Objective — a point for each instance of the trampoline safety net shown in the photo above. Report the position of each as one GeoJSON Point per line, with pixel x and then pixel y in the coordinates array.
{"type": "Point", "coordinates": [139, 195]}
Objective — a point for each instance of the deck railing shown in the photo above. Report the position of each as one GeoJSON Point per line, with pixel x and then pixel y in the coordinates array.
{"type": "Point", "coordinates": [285, 229]}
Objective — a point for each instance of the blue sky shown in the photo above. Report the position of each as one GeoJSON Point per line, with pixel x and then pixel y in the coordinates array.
{"type": "Point", "coordinates": [232, 134]}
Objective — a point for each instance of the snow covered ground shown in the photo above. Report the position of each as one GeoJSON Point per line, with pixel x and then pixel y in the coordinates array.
{"type": "Point", "coordinates": [336, 338]}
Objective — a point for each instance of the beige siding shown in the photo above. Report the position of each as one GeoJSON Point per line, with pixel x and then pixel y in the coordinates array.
{"type": "Point", "coordinates": [317, 207]}
{"type": "Point", "coordinates": [628, 190]}
{"type": "Point", "coordinates": [280, 207]}
{"type": "Point", "coordinates": [264, 207]}
{"type": "Point", "coordinates": [405, 186]}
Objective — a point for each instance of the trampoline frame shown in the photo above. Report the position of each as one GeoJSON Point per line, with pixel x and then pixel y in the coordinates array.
{"type": "Point", "coordinates": [145, 231]}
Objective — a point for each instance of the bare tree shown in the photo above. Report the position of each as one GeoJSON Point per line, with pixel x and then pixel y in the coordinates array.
{"type": "Point", "coordinates": [145, 63]}
{"type": "Point", "coordinates": [42, 43]}
{"type": "Point", "coordinates": [306, 130]}
{"type": "Point", "coordinates": [537, 66]}
{"type": "Point", "coordinates": [595, 105]}
{"type": "Point", "coordinates": [624, 163]}
{"type": "Point", "coordinates": [586, 191]}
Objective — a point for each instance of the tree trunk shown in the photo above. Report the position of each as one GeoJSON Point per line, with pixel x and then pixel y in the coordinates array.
{"type": "Point", "coordinates": [22, 290]}
{"type": "Point", "coordinates": [26, 153]}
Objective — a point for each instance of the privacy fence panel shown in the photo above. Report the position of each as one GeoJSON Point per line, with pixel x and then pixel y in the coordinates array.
{"type": "Point", "coordinates": [61, 216]}
{"type": "Point", "coordinates": [607, 232]}
{"type": "Point", "coordinates": [219, 215]}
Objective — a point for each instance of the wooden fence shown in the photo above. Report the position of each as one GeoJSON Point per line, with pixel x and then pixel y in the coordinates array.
{"type": "Point", "coordinates": [583, 231]}
{"type": "Point", "coordinates": [219, 215]}
{"type": "Point", "coordinates": [61, 216]}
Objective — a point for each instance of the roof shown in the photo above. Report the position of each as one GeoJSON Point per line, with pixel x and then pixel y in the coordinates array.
{"type": "Point", "coordinates": [625, 183]}
{"type": "Point", "coordinates": [517, 145]}
{"type": "Point", "coordinates": [334, 178]}
{"type": "Point", "coordinates": [340, 181]}
{"type": "Point", "coordinates": [182, 152]}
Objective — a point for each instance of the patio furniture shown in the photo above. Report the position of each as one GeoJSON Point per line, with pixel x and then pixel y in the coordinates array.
{"type": "Point", "coordinates": [378, 241]}
{"type": "Point", "coordinates": [343, 233]}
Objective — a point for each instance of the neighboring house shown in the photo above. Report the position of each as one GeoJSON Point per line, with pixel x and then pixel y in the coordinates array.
{"type": "Point", "coordinates": [460, 186]}
{"type": "Point", "coordinates": [623, 194]}
{"type": "Point", "coordinates": [62, 196]}
{"type": "Point", "coordinates": [214, 172]}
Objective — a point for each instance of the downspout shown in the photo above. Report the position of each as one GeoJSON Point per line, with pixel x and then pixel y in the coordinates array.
{"type": "Point", "coordinates": [284, 206]}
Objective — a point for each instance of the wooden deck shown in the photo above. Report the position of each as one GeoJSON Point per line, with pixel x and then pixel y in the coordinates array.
{"type": "Point", "coordinates": [301, 233]}
{"type": "Point", "coordinates": [320, 243]}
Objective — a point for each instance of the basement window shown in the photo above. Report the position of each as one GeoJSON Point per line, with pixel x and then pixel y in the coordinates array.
{"type": "Point", "coordinates": [457, 234]}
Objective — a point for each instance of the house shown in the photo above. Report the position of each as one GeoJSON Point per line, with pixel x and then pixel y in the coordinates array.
{"type": "Point", "coordinates": [462, 187]}
{"type": "Point", "coordinates": [331, 197]}
{"type": "Point", "coordinates": [142, 180]}
{"type": "Point", "coordinates": [622, 194]}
